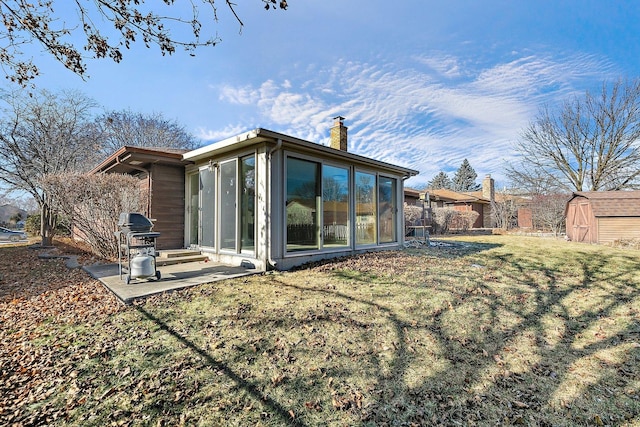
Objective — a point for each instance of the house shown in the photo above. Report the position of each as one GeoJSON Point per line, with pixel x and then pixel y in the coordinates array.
{"type": "Point", "coordinates": [276, 201]}
{"type": "Point", "coordinates": [270, 200]}
{"type": "Point", "coordinates": [478, 201]}
{"type": "Point", "coordinates": [603, 216]}
{"type": "Point", "coordinates": [161, 172]}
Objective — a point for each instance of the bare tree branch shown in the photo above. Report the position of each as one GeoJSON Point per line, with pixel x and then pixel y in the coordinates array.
{"type": "Point", "coordinates": [591, 143]}
{"type": "Point", "coordinates": [42, 134]}
{"type": "Point", "coordinates": [105, 27]}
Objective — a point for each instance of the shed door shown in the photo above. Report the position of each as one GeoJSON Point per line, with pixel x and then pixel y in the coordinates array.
{"type": "Point", "coordinates": [578, 219]}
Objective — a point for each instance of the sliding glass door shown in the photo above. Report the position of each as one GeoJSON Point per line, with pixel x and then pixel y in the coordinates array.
{"type": "Point", "coordinates": [228, 204]}
{"type": "Point", "coordinates": [207, 207]}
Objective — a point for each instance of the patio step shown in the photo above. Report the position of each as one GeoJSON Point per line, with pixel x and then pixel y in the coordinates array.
{"type": "Point", "coordinates": [178, 256]}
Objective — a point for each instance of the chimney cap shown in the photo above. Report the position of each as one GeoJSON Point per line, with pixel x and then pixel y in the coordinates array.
{"type": "Point", "coordinates": [338, 119]}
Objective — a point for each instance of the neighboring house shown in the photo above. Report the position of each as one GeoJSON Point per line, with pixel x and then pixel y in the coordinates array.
{"type": "Point", "coordinates": [270, 200]}
{"type": "Point", "coordinates": [603, 216]}
{"type": "Point", "coordinates": [413, 196]}
{"type": "Point", "coordinates": [461, 202]}
{"type": "Point", "coordinates": [161, 173]}
{"type": "Point", "coordinates": [477, 201]}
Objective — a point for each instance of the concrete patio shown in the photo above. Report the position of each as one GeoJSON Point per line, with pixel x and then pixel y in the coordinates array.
{"type": "Point", "coordinates": [173, 277]}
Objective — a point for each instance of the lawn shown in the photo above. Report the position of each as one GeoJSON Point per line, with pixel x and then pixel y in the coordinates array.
{"type": "Point", "coordinates": [495, 330]}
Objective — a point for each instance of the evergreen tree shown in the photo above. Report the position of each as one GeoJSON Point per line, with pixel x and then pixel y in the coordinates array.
{"type": "Point", "coordinates": [465, 178]}
{"type": "Point", "coordinates": [440, 181]}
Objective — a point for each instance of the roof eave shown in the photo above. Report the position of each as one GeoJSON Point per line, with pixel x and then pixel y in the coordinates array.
{"type": "Point", "coordinates": [261, 135]}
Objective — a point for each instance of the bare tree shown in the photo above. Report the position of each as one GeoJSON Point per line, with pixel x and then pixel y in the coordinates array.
{"type": "Point", "coordinates": [504, 212]}
{"type": "Point", "coordinates": [548, 212]}
{"type": "Point", "coordinates": [103, 28]}
{"type": "Point", "coordinates": [45, 133]}
{"type": "Point", "coordinates": [591, 143]}
{"type": "Point", "coordinates": [119, 128]}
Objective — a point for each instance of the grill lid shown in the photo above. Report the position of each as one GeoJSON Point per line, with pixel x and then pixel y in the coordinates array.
{"type": "Point", "coordinates": [133, 221]}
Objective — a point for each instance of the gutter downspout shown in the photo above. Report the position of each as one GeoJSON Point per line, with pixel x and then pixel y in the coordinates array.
{"type": "Point", "coordinates": [268, 185]}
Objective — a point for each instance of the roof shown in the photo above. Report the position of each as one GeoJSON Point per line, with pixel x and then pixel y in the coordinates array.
{"type": "Point", "coordinates": [279, 140]}
{"type": "Point", "coordinates": [127, 159]}
{"type": "Point", "coordinates": [611, 203]}
{"type": "Point", "coordinates": [412, 192]}
{"type": "Point", "coordinates": [455, 197]}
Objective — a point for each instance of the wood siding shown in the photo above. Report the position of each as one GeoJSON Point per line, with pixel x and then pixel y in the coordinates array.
{"type": "Point", "coordinates": [167, 205]}
{"type": "Point", "coordinates": [612, 229]}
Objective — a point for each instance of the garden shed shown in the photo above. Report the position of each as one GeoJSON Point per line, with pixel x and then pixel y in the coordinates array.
{"type": "Point", "coordinates": [603, 216]}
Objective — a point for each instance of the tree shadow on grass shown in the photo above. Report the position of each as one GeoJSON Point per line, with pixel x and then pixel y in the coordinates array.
{"type": "Point", "coordinates": [250, 387]}
{"type": "Point", "coordinates": [524, 339]}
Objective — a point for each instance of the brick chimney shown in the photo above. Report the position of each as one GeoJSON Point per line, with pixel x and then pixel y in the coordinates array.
{"type": "Point", "coordinates": [339, 134]}
{"type": "Point", "coordinates": [488, 191]}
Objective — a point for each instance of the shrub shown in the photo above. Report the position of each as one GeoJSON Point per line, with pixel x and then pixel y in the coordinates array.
{"type": "Point", "coordinates": [447, 219]}
{"type": "Point", "coordinates": [443, 218]}
{"type": "Point", "coordinates": [93, 204]}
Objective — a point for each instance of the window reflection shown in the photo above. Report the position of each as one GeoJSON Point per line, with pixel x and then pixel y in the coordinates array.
{"type": "Point", "coordinates": [387, 208]}
{"type": "Point", "coordinates": [302, 204]}
{"type": "Point", "coordinates": [335, 206]}
{"type": "Point", "coordinates": [365, 208]}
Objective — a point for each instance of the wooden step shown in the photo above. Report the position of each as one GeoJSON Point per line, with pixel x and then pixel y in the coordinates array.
{"type": "Point", "coordinates": [160, 261]}
{"type": "Point", "coordinates": [176, 253]}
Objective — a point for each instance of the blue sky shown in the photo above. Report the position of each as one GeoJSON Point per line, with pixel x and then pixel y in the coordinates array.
{"type": "Point", "coordinates": [422, 84]}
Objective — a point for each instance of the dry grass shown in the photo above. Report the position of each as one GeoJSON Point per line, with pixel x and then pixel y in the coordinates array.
{"type": "Point", "coordinates": [498, 330]}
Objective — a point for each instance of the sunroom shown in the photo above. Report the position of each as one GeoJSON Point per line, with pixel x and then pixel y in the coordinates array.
{"type": "Point", "coordinates": [269, 200]}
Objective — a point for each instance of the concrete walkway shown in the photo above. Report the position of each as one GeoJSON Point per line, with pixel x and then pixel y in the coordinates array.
{"type": "Point", "coordinates": [173, 277]}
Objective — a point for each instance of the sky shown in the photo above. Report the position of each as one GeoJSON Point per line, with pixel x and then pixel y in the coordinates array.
{"type": "Point", "coordinates": [422, 84]}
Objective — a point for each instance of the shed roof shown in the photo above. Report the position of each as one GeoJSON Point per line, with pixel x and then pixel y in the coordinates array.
{"type": "Point", "coordinates": [611, 203]}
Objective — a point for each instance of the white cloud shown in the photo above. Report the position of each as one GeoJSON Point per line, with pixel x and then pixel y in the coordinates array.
{"type": "Point", "coordinates": [217, 135]}
{"type": "Point", "coordinates": [417, 118]}
{"type": "Point", "coordinates": [244, 95]}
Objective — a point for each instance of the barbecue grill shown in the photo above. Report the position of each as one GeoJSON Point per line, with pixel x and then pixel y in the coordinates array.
{"type": "Point", "coordinates": [136, 247]}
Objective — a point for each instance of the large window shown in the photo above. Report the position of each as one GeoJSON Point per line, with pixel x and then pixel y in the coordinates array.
{"type": "Point", "coordinates": [247, 202]}
{"type": "Point", "coordinates": [387, 207]}
{"type": "Point", "coordinates": [320, 203]}
{"type": "Point", "coordinates": [228, 197]}
{"type": "Point", "coordinates": [365, 208]}
{"type": "Point", "coordinates": [335, 206]}
{"type": "Point", "coordinates": [303, 200]}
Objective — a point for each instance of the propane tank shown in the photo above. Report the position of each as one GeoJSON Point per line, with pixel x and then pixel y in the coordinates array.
{"type": "Point", "coordinates": [142, 265]}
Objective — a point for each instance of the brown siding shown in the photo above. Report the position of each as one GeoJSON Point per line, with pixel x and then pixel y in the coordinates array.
{"type": "Point", "coordinates": [167, 206]}
{"type": "Point", "coordinates": [612, 229]}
